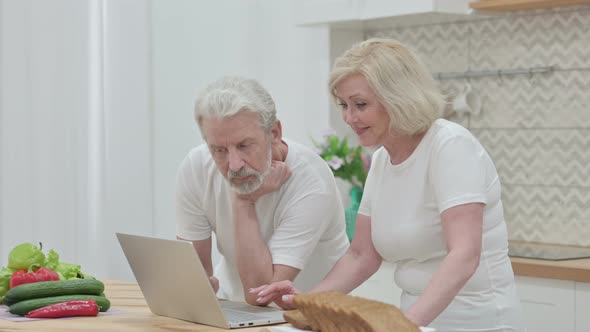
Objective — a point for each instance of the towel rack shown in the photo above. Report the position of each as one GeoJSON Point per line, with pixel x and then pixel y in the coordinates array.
{"type": "Point", "coordinates": [499, 73]}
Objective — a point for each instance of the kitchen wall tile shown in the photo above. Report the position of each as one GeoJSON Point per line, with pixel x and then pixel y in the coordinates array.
{"type": "Point", "coordinates": [545, 157]}
{"type": "Point", "coordinates": [433, 43]}
{"type": "Point", "coordinates": [547, 214]}
{"type": "Point", "coordinates": [550, 100]}
{"type": "Point", "coordinates": [551, 39]}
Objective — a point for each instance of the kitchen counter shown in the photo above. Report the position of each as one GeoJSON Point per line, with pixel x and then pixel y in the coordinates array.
{"type": "Point", "coordinates": [571, 269]}
{"type": "Point", "coordinates": [136, 317]}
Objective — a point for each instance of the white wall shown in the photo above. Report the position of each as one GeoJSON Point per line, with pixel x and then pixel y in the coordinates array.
{"type": "Point", "coordinates": [128, 171]}
{"type": "Point", "coordinates": [196, 42]}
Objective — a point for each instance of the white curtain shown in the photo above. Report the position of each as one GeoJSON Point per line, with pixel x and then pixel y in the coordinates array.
{"type": "Point", "coordinates": [75, 128]}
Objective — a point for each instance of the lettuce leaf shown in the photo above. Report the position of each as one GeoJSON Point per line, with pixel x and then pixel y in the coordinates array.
{"type": "Point", "coordinates": [5, 275]}
{"type": "Point", "coordinates": [51, 260]}
{"type": "Point", "coordinates": [68, 270]}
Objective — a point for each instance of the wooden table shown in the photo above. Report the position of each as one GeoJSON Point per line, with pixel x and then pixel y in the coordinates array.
{"type": "Point", "coordinates": [137, 317]}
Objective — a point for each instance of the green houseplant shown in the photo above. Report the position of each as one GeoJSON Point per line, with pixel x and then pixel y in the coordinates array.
{"type": "Point", "coordinates": [348, 163]}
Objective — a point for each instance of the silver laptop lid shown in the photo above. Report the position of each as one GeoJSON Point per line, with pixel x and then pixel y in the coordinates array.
{"type": "Point", "coordinates": [172, 279]}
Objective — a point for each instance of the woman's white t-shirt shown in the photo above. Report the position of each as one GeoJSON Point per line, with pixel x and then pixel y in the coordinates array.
{"type": "Point", "coordinates": [448, 168]}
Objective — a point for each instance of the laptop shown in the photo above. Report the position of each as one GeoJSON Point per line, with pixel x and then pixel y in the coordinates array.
{"type": "Point", "coordinates": [175, 284]}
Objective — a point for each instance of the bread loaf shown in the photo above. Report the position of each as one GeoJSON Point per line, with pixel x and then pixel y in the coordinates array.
{"type": "Point", "coordinates": [297, 319]}
{"type": "Point", "coordinates": [333, 311]}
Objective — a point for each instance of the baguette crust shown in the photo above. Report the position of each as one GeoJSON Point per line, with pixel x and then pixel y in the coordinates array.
{"type": "Point", "coordinates": [337, 312]}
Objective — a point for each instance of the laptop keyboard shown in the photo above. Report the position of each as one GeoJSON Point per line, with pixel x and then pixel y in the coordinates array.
{"type": "Point", "coordinates": [238, 312]}
{"type": "Point", "coordinates": [240, 316]}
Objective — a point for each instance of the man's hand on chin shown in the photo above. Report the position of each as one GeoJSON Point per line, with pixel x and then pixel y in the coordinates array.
{"type": "Point", "coordinates": [278, 174]}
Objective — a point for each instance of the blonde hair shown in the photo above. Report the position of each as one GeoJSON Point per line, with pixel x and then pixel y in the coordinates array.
{"type": "Point", "coordinates": [400, 80]}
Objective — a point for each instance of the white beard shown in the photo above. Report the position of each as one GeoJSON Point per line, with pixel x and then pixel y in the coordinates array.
{"type": "Point", "coordinates": [251, 186]}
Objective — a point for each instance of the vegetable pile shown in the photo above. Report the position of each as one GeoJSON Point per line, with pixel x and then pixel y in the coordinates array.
{"type": "Point", "coordinates": [36, 285]}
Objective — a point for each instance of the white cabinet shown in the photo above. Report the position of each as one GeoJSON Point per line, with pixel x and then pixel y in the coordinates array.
{"type": "Point", "coordinates": [582, 307]}
{"type": "Point", "coordinates": [333, 11]}
{"type": "Point", "coordinates": [554, 305]}
{"type": "Point", "coordinates": [548, 304]}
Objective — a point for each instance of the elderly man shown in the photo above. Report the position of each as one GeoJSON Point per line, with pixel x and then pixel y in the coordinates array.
{"type": "Point", "coordinates": [272, 203]}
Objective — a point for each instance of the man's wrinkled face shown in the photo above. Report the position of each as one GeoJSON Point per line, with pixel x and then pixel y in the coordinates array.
{"type": "Point", "coordinates": [240, 148]}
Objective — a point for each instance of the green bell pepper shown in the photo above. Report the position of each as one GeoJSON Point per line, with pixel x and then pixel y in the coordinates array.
{"type": "Point", "coordinates": [24, 255]}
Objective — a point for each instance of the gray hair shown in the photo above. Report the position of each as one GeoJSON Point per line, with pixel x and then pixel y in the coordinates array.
{"type": "Point", "coordinates": [400, 80]}
{"type": "Point", "coordinates": [231, 95]}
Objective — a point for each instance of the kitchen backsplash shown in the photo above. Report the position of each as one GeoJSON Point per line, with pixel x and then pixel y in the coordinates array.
{"type": "Point", "coordinates": [536, 127]}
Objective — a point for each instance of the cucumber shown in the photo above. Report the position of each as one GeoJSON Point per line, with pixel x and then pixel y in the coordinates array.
{"type": "Point", "coordinates": [24, 307]}
{"type": "Point", "coordinates": [53, 288]}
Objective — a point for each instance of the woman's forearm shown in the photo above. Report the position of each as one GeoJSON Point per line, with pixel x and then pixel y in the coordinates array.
{"type": "Point", "coordinates": [349, 272]}
{"type": "Point", "coordinates": [453, 273]}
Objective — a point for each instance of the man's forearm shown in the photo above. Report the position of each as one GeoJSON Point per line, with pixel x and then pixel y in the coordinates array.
{"type": "Point", "coordinates": [203, 249]}
{"type": "Point", "coordinates": [252, 255]}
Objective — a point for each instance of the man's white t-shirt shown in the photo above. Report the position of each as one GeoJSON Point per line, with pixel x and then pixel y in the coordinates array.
{"type": "Point", "coordinates": [448, 168]}
{"type": "Point", "coordinates": [302, 223]}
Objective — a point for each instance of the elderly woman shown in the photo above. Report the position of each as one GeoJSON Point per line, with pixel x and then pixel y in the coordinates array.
{"type": "Point", "coordinates": [431, 203]}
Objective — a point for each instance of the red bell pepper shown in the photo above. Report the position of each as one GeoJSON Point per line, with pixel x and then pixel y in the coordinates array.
{"type": "Point", "coordinates": [66, 309]}
{"type": "Point", "coordinates": [23, 277]}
